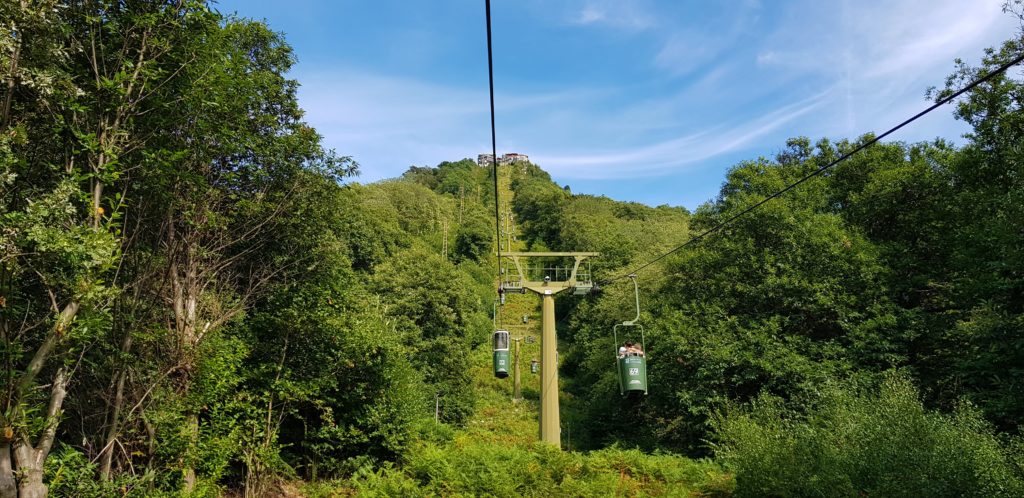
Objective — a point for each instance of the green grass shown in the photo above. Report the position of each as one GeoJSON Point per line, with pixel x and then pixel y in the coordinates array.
{"type": "Point", "coordinates": [470, 467]}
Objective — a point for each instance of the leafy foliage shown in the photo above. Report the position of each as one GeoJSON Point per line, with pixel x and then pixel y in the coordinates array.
{"type": "Point", "coordinates": [540, 470]}
{"type": "Point", "coordinates": [855, 442]}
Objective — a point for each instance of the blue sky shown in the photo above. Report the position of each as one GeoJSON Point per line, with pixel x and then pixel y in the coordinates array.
{"type": "Point", "coordinates": [642, 100]}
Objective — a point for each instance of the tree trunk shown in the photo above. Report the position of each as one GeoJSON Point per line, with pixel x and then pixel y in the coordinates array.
{"type": "Point", "coordinates": [115, 413]}
{"type": "Point", "coordinates": [29, 460]}
{"type": "Point", "coordinates": [31, 484]}
{"type": "Point", "coordinates": [8, 486]}
{"type": "Point", "coordinates": [29, 463]}
{"type": "Point", "coordinates": [190, 469]}
{"type": "Point", "coordinates": [185, 299]}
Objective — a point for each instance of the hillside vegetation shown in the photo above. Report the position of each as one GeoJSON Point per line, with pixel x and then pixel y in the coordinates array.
{"type": "Point", "coordinates": [197, 300]}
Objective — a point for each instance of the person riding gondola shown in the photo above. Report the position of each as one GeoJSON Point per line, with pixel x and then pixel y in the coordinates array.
{"type": "Point", "coordinates": [631, 349]}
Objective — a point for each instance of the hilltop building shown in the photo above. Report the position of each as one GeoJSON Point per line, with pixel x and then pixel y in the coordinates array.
{"type": "Point", "coordinates": [509, 158]}
{"type": "Point", "coordinates": [513, 157]}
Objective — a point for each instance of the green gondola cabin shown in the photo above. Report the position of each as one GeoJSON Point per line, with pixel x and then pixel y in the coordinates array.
{"type": "Point", "coordinates": [632, 372]}
{"type": "Point", "coordinates": [501, 356]}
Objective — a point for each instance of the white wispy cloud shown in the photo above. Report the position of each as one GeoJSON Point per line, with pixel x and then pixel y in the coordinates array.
{"type": "Point", "coordinates": [869, 64]}
{"type": "Point", "coordinates": [703, 42]}
{"type": "Point", "coordinates": [622, 14]}
{"type": "Point", "coordinates": [911, 52]}
{"type": "Point", "coordinates": [883, 37]}
{"type": "Point", "coordinates": [686, 50]}
{"type": "Point", "coordinates": [654, 159]}
{"type": "Point", "coordinates": [389, 123]}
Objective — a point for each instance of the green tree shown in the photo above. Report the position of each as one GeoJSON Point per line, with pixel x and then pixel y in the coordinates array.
{"type": "Point", "coordinates": [440, 310]}
{"type": "Point", "coordinates": [987, 261]}
{"type": "Point", "coordinates": [475, 238]}
{"type": "Point", "coordinates": [71, 118]}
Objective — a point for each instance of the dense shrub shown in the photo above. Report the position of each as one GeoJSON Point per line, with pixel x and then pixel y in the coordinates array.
{"type": "Point", "coordinates": [858, 442]}
{"type": "Point", "coordinates": [485, 469]}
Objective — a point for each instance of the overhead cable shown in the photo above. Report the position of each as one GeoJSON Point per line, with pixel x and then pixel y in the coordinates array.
{"type": "Point", "coordinates": [494, 142]}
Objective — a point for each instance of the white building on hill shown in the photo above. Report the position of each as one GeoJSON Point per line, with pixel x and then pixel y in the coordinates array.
{"type": "Point", "coordinates": [509, 158]}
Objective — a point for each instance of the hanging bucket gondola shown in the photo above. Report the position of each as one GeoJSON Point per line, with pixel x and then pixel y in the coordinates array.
{"type": "Point", "coordinates": [631, 362]}
{"type": "Point", "coordinates": [501, 356]}
{"type": "Point", "coordinates": [631, 357]}
{"type": "Point", "coordinates": [534, 366]}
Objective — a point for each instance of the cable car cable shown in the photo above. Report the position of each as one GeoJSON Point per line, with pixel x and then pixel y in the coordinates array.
{"type": "Point", "coordinates": [728, 221]}
{"type": "Point", "coordinates": [494, 142]}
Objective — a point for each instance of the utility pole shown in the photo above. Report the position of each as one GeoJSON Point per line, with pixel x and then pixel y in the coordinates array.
{"type": "Point", "coordinates": [508, 227]}
{"type": "Point", "coordinates": [550, 429]}
{"type": "Point", "coordinates": [517, 393]}
{"type": "Point", "coordinates": [444, 239]}
{"type": "Point", "coordinates": [501, 232]}
{"type": "Point", "coordinates": [462, 202]}
{"type": "Point", "coordinates": [508, 239]}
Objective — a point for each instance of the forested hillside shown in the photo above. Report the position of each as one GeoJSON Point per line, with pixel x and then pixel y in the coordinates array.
{"type": "Point", "coordinates": [197, 300]}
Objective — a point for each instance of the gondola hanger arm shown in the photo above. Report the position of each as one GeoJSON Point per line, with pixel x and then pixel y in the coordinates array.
{"type": "Point", "coordinates": [636, 295]}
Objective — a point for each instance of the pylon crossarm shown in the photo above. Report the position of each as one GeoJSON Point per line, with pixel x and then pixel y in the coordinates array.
{"type": "Point", "coordinates": [549, 286]}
